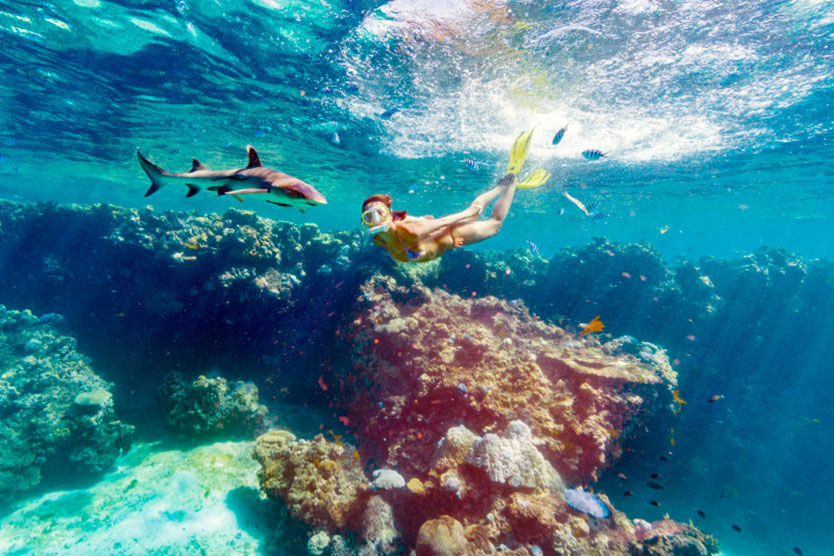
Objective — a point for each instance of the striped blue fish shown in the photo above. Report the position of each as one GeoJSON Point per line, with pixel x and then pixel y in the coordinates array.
{"type": "Point", "coordinates": [472, 164]}
{"type": "Point", "coordinates": [559, 135]}
{"type": "Point", "coordinates": [592, 154]}
{"type": "Point", "coordinates": [533, 247]}
{"type": "Point", "coordinates": [593, 212]}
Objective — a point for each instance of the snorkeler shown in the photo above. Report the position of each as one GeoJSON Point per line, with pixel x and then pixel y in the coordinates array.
{"type": "Point", "coordinates": [423, 238]}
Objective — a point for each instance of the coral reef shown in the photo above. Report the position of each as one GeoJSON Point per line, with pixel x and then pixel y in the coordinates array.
{"type": "Point", "coordinates": [57, 414]}
{"type": "Point", "coordinates": [320, 481]}
{"type": "Point", "coordinates": [469, 412]}
{"type": "Point", "coordinates": [245, 283]}
{"type": "Point", "coordinates": [211, 405]}
{"type": "Point", "coordinates": [438, 361]}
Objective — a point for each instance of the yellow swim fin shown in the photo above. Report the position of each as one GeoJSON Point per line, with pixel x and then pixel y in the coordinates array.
{"type": "Point", "coordinates": [518, 154]}
{"type": "Point", "coordinates": [537, 178]}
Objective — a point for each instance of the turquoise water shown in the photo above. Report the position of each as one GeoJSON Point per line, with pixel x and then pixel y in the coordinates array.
{"type": "Point", "coordinates": [717, 121]}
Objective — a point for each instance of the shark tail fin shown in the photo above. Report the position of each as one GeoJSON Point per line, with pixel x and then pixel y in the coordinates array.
{"type": "Point", "coordinates": [154, 172]}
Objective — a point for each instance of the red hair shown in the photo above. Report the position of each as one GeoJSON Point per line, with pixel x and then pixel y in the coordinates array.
{"type": "Point", "coordinates": [385, 200]}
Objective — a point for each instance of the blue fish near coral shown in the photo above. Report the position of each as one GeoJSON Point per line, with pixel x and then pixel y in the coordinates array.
{"type": "Point", "coordinates": [593, 154]}
{"type": "Point", "coordinates": [586, 502]}
{"type": "Point", "coordinates": [533, 247]}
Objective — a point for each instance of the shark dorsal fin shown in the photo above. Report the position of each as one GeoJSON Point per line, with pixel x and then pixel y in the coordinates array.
{"type": "Point", "coordinates": [196, 165]}
{"type": "Point", "coordinates": [254, 160]}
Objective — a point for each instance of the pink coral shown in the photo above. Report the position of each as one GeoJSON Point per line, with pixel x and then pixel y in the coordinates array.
{"type": "Point", "coordinates": [436, 360]}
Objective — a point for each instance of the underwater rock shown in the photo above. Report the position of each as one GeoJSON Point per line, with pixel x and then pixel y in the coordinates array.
{"type": "Point", "coordinates": [321, 483]}
{"type": "Point", "coordinates": [211, 405]}
{"type": "Point", "coordinates": [418, 345]}
{"type": "Point", "coordinates": [57, 413]}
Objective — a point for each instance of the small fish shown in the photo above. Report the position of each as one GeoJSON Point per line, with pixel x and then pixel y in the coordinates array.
{"type": "Point", "coordinates": [473, 164]}
{"type": "Point", "coordinates": [191, 245]}
{"type": "Point", "coordinates": [622, 476]}
{"type": "Point", "coordinates": [356, 454]}
{"type": "Point", "coordinates": [559, 135]}
{"type": "Point", "coordinates": [593, 154]}
{"type": "Point", "coordinates": [654, 502]}
{"type": "Point", "coordinates": [344, 420]}
{"type": "Point", "coordinates": [48, 317]}
{"type": "Point", "coordinates": [654, 485]}
{"type": "Point", "coordinates": [594, 326]}
{"type": "Point", "coordinates": [388, 113]}
{"type": "Point", "coordinates": [736, 527]}
{"type": "Point", "coordinates": [701, 513]}
{"type": "Point", "coordinates": [716, 397]}
{"type": "Point", "coordinates": [533, 247]}
{"type": "Point", "coordinates": [663, 230]}
{"type": "Point", "coordinates": [627, 493]}
{"type": "Point", "coordinates": [797, 550]}
{"type": "Point", "coordinates": [322, 385]}
{"type": "Point", "coordinates": [663, 458]}
{"type": "Point", "coordinates": [680, 402]}
{"type": "Point", "coordinates": [655, 475]}
{"type": "Point", "coordinates": [593, 212]}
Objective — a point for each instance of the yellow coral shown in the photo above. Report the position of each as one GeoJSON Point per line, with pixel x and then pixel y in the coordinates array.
{"type": "Point", "coordinates": [415, 486]}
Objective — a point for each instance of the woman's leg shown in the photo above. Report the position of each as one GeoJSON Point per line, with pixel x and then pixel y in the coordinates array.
{"type": "Point", "coordinates": [473, 232]}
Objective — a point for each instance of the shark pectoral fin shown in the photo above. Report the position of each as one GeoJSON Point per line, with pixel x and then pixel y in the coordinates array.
{"type": "Point", "coordinates": [192, 190]}
{"type": "Point", "coordinates": [279, 204]}
{"type": "Point", "coordinates": [302, 210]}
{"type": "Point", "coordinates": [238, 198]}
{"type": "Point", "coordinates": [152, 189]}
{"type": "Point", "coordinates": [245, 191]}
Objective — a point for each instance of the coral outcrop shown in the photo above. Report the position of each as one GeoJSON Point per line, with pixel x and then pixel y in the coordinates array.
{"type": "Point", "coordinates": [55, 412]}
{"type": "Point", "coordinates": [211, 405]}
{"type": "Point", "coordinates": [438, 361]}
{"type": "Point", "coordinates": [321, 482]}
{"type": "Point", "coordinates": [471, 414]}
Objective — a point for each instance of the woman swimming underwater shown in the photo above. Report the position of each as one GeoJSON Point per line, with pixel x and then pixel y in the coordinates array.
{"type": "Point", "coordinates": [413, 239]}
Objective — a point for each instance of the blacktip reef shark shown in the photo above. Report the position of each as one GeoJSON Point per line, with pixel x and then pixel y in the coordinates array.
{"type": "Point", "coordinates": [286, 190]}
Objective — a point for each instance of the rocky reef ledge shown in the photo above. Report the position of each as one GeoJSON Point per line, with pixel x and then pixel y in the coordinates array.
{"type": "Point", "coordinates": [472, 415]}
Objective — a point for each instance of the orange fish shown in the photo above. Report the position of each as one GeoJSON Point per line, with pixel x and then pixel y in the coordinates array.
{"type": "Point", "coordinates": [681, 402]}
{"type": "Point", "coordinates": [594, 326]}
{"type": "Point", "coordinates": [715, 398]}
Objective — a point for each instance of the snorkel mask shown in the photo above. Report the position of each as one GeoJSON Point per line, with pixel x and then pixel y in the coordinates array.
{"type": "Point", "coordinates": [377, 218]}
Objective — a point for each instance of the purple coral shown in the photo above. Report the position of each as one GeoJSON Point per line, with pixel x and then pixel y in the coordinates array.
{"type": "Point", "coordinates": [585, 502]}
